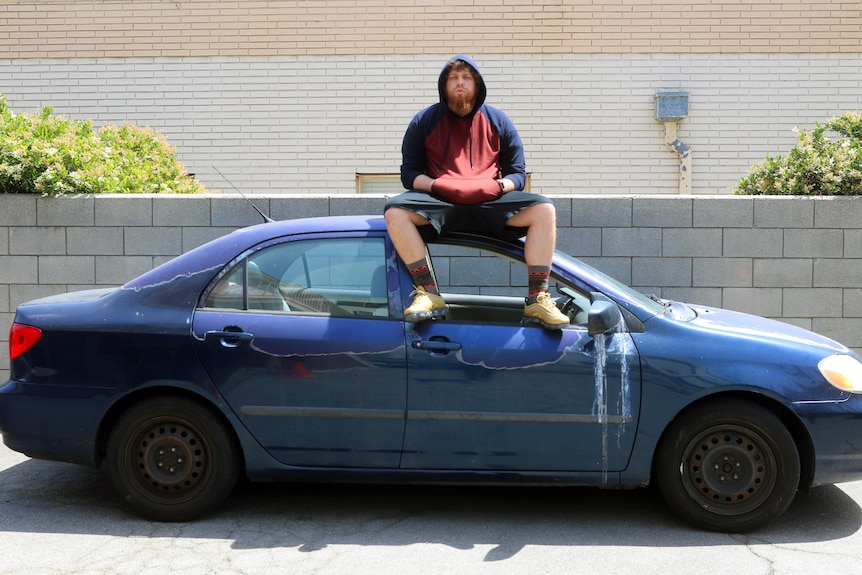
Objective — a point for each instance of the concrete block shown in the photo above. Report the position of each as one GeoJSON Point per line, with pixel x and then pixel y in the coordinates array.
{"type": "Point", "coordinates": [124, 211]}
{"type": "Point", "coordinates": [817, 243]}
{"type": "Point", "coordinates": [783, 212]}
{"type": "Point", "coordinates": [66, 269]}
{"type": "Point", "coordinates": [474, 271]}
{"type": "Point", "coordinates": [837, 273]}
{"type": "Point", "coordinates": [852, 302]}
{"type": "Point", "coordinates": [37, 241]}
{"type": "Point", "coordinates": [18, 210]}
{"type": "Point", "coordinates": [441, 272]}
{"type": "Point", "coordinates": [753, 243]}
{"type": "Point", "coordinates": [813, 302]}
{"type": "Point", "coordinates": [66, 211]}
{"type": "Point", "coordinates": [563, 207]}
{"type": "Point", "coordinates": [847, 331]}
{"type": "Point", "coordinates": [758, 301]}
{"type": "Point", "coordinates": [723, 212]}
{"type": "Point", "coordinates": [357, 205]}
{"type": "Point", "coordinates": [98, 241]}
{"type": "Point", "coordinates": [195, 237]}
{"type": "Point", "coordinates": [691, 242]}
{"type": "Point", "coordinates": [803, 322]}
{"type": "Point", "coordinates": [19, 294]}
{"type": "Point", "coordinates": [665, 272]}
{"type": "Point", "coordinates": [153, 241]}
{"type": "Point", "coordinates": [20, 269]}
{"type": "Point", "coordinates": [710, 297]}
{"type": "Point", "coordinates": [644, 242]}
{"type": "Point", "coordinates": [293, 207]}
{"type": "Point", "coordinates": [4, 241]}
{"type": "Point", "coordinates": [580, 242]}
{"type": "Point", "coordinates": [181, 210]}
{"type": "Point", "coordinates": [601, 212]}
{"type": "Point", "coordinates": [838, 212]}
{"type": "Point", "coordinates": [662, 212]}
{"type": "Point", "coordinates": [721, 272]}
{"type": "Point", "coordinates": [6, 320]}
{"type": "Point", "coordinates": [5, 304]}
{"type": "Point", "coordinates": [117, 270]}
{"type": "Point", "coordinates": [618, 268]}
{"type": "Point", "coordinates": [853, 243]}
{"type": "Point", "coordinates": [780, 272]}
{"type": "Point", "coordinates": [236, 211]}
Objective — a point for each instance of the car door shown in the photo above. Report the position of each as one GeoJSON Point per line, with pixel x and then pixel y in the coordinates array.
{"type": "Point", "coordinates": [298, 339]}
{"type": "Point", "coordinates": [497, 395]}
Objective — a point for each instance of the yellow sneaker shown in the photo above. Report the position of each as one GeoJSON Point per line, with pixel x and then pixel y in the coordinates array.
{"type": "Point", "coordinates": [545, 313]}
{"type": "Point", "coordinates": [425, 306]}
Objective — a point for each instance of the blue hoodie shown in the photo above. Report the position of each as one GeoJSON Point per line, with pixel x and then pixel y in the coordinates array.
{"type": "Point", "coordinates": [479, 147]}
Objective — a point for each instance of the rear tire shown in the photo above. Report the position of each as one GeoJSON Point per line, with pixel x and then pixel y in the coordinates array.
{"type": "Point", "coordinates": [172, 459]}
{"type": "Point", "coordinates": [728, 466]}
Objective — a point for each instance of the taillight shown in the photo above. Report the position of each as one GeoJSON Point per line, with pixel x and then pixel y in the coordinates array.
{"type": "Point", "coordinates": [22, 338]}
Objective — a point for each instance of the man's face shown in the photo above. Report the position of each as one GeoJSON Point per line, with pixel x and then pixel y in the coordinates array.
{"type": "Point", "coordinates": [460, 90]}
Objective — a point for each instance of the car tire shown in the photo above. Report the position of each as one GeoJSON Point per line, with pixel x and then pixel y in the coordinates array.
{"type": "Point", "coordinates": [728, 466]}
{"type": "Point", "coordinates": [172, 459]}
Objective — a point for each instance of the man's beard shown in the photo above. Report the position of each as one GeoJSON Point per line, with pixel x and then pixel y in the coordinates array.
{"type": "Point", "coordinates": [461, 104]}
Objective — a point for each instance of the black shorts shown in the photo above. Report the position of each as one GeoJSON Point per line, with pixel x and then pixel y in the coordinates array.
{"type": "Point", "coordinates": [488, 218]}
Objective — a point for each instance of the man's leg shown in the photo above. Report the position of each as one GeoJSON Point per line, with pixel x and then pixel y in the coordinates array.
{"type": "Point", "coordinates": [402, 226]}
{"type": "Point", "coordinates": [541, 223]}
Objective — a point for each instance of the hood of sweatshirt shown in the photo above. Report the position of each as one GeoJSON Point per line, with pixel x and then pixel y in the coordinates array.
{"type": "Point", "coordinates": [480, 81]}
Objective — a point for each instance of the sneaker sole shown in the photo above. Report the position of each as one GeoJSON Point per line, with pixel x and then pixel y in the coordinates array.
{"type": "Point", "coordinates": [537, 321]}
{"type": "Point", "coordinates": [418, 316]}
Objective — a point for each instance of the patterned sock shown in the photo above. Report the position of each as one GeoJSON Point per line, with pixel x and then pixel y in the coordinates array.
{"type": "Point", "coordinates": [538, 278]}
{"type": "Point", "coordinates": [421, 273]}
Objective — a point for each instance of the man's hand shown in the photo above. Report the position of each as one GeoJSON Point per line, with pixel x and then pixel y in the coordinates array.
{"type": "Point", "coordinates": [461, 191]}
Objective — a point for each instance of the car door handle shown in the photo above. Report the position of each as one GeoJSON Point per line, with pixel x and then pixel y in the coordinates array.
{"type": "Point", "coordinates": [230, 338]}
{"type": "Point", "coordinates": [436, 345]}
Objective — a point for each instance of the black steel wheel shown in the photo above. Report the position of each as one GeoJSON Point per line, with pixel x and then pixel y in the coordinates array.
{"type": "Point", "coordinates": [728, 466]}
{"type": "Point", "coordinates": [171, 459]}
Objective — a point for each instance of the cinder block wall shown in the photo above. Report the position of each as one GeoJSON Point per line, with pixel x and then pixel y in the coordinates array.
{"type": "Point", "coordinates": [794, 259]}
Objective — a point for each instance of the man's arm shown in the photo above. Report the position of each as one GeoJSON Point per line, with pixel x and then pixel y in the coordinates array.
{"type": "Point", "coordinates": [513, 165]}
{"type": "Point", "coordinates": [413, 155]}
{"type": "Point", "coordinates": [423, 183]}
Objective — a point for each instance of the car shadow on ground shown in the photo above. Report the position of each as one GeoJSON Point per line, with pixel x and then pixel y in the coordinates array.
{"type": "Point", "coordinates": [47, 497]}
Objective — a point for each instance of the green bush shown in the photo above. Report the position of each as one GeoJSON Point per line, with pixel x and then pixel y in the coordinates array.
{"type": "Point", "coordinates": [816, 166]}
{"type": "Point", "coordinates": [50, 155]}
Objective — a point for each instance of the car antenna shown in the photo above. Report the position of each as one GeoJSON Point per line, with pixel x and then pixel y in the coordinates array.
{"type": "Point", "coordinates": [265, 217]}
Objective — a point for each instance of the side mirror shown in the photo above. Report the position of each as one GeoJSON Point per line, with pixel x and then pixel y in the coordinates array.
{"type": "Point", "coordinates": [604, 316]}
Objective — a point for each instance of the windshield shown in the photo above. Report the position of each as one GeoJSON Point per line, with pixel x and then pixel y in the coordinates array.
{"type": "Point", "coordinates": [654, 304]}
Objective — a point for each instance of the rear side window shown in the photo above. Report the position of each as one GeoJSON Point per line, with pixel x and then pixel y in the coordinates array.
{"type": "Point", "coordinates": [338, 276]}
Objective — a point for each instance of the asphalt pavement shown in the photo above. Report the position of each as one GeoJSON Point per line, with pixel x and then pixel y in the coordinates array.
{"type": "Point", "coordinates": [58, 518]}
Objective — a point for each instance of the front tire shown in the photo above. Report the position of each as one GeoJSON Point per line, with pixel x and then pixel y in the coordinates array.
{"type": "Point", "coordinates": [172, 459]}
{"type": "Point", "coordinates": [728, 466]}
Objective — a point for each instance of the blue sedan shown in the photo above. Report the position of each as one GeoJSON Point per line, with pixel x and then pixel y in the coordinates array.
{"type": "Point", "coordinates": [279, 352]}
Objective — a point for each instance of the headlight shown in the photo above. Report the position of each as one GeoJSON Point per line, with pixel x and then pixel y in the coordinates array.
{"type": "Point", "coordinates": [842, 371]}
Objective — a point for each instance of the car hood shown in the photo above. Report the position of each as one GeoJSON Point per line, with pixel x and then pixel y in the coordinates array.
{"type": "Point", "coordinates": [756, 327]}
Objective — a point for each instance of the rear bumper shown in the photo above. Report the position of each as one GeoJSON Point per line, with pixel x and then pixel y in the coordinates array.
{"type": "Point", "coordinates": [43, 423]}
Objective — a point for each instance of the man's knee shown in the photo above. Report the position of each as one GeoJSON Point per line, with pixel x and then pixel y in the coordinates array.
{"type": "Point", "coordinates": [396, 216]}
{"type": "Point", "coordinates": [401, 217]}
{"type": "Point", "coordinates": [547, 212]}
{"type": "Point", "coordinates": [543, 214]}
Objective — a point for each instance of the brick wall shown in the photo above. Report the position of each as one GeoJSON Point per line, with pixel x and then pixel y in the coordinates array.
{"type": "Point", "coordinates": [299, 97]}
{"type": "Point", "coordinates": [794, 259]}
{"type": "Point", "coordinates": [309, 124]}
{"type": "Point", "coordinates": [165, 29]}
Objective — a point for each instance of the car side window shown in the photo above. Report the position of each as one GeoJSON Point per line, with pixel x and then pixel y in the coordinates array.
{"type": "Point", "coordinates": [336, 276]}
{"type": "Point", "coordinates": [486, 287]}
